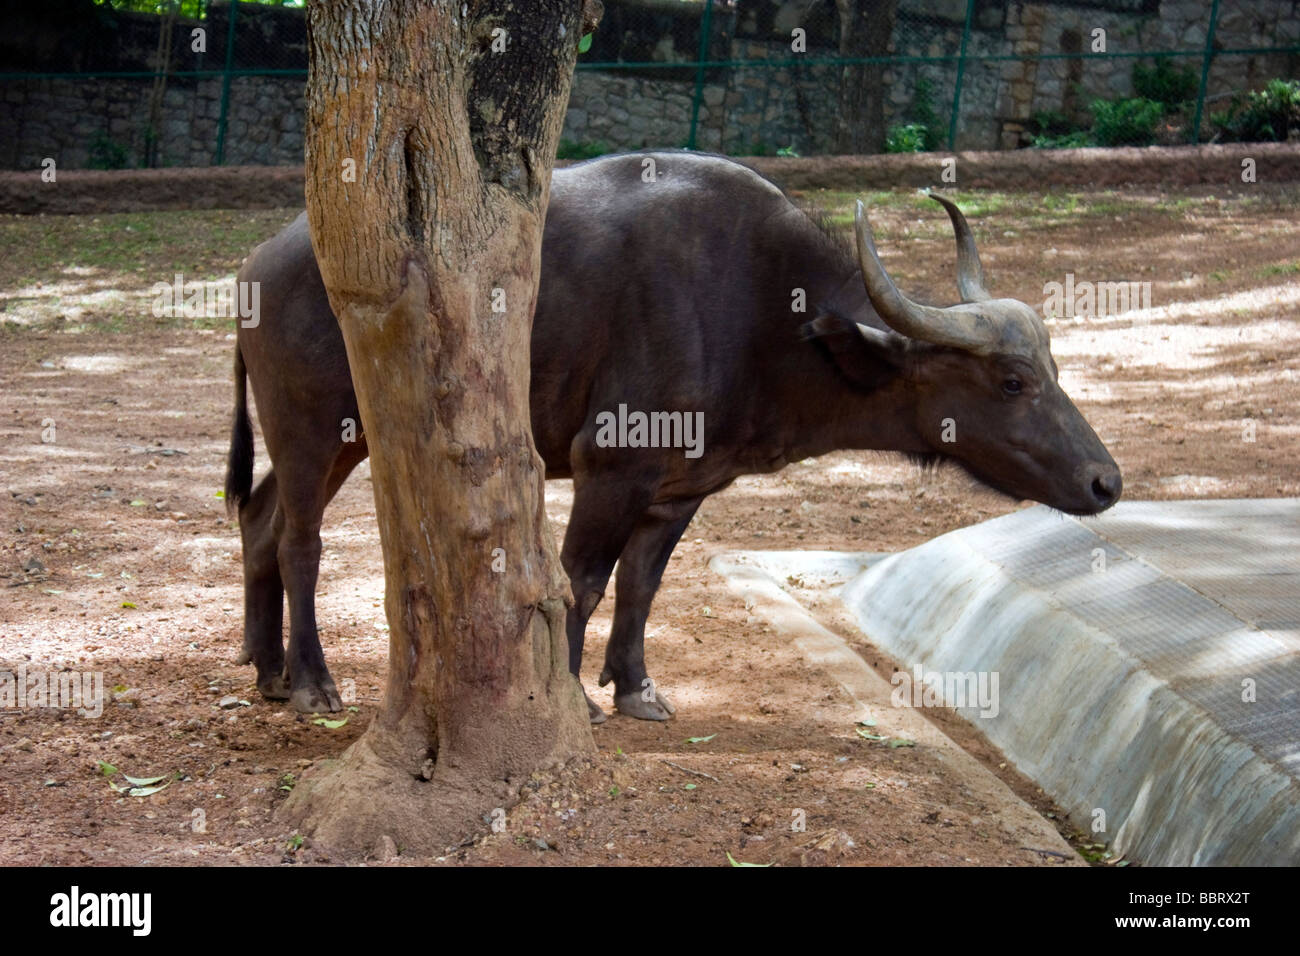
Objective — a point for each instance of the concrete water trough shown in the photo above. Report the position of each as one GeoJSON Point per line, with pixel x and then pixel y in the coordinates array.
{"type": "Point", "coordinates": [1146, 662]}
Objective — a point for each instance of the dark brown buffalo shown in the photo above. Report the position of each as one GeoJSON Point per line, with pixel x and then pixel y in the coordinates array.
{"type": "Point", "coordinates": [676, 292]}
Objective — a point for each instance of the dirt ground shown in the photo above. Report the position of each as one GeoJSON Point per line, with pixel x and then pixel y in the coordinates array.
{"type": "Point", "coordinates": [117, 556]}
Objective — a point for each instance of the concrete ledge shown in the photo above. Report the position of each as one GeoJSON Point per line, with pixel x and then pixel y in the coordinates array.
{"type": "Point", "coordinates": [1122, 685]}
{"type": "Point", "coordinates": [1217, 165]}
{"type": "Point", "coordinates": [1148, 660]}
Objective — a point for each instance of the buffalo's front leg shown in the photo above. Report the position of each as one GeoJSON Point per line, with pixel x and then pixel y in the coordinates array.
{"type": "Point", "coordinates": [640, 569]}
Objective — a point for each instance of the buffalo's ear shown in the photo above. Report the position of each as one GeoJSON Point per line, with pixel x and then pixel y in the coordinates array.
{"type": "Point", "coordinates": [869, 362]}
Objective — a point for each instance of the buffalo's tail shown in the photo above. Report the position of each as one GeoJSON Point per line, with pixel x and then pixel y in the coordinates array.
{"type": "Point", "coordinates": [239, 466]}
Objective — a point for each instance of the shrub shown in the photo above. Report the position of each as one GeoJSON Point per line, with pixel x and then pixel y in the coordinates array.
{"type": "Point", "coordinates": [923, 112]}
{"type": "Point", "coordinates": [923, 134]}
{"type": "Point", "coordinates": [106, 153]}
{"type": "Point", "coordinates": [906, 138]}
{"type": "Point", "coordinates": [1126, 122]}
{"type": "Point", "coordinates": [1052, 129]}
{"type": "Point", "coordinates": [1261, 115]}
{"type": "Point", "coordinates": [1170, 86]}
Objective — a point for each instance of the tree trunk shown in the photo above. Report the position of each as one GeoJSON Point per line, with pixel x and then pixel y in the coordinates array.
{"type": "Point", "coordinates": [865, 29]}
{"type": "Point", "coordinates": [450, 113]}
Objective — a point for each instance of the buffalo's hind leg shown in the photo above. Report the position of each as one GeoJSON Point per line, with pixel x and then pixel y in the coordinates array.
{"type": "Point", "coordinates": [603, 517]}
{"type": "Point", "coordinates": [303, 498]}
{"type": "Point", "coordinates": [640, 569]}
{"type": "Point", "coordinates": [263, 592]}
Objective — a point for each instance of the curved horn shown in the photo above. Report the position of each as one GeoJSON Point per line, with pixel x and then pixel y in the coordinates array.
{"type": "Point", "coordinates": [940, 326]}
{"type": "Point", "coordinates": [970, 274]}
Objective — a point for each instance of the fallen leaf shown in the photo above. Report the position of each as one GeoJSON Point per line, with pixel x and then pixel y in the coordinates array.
{"type": "Point", "coordinates": [734, 862]}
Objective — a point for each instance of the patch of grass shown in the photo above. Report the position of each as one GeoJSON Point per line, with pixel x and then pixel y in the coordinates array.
{"type": "Point", "coordinates": [94, 271]}
{"type": "Point", "coordinates": [152, 246]}
{"type": "Point", "coordinates": [983, 204]}
{"type": "Point", "coordinates": [1279, 269]}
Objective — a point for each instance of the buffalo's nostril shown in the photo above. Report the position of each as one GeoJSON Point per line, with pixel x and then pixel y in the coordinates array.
{"type": "Point", "coordinates": [1106, 487]}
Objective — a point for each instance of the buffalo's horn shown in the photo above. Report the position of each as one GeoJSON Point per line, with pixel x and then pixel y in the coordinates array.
{"type": "Point", "coordinates": [970, 274]}
{"type": "Point", "coordinates": [955, 327]}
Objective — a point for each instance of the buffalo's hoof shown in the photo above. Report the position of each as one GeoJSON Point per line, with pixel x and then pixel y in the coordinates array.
{"type": "Point", "coordinates": [316, 699]}
{"type": "Point", "coordinates": [275, 687]}
{"type": "Point", "coordinates": [634, 704]}
{"type": "Point", "coordinates": [594, 711]}
{"type": "Point", "coordinates": [245, 656]}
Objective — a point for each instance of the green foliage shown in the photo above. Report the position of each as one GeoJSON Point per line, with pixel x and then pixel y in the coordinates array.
{"type": "Point", "coordinates": [571, 150]}
{"type": "Point", "coordinates": [1051, 123]}
{"type": "Point", "coordinates": [190, 9]}
{"type": "Point", "coordinates": [1075, 140]}
{"type": "Point", "coordinates": [925, 132]}
{"type": "Point", "coordinates": [1126, 122]}
{"type": "Point", "coordinates": [1052, 129]}
{"type": "Point", "coordinates": [1266, 115]}
{"type": "Point", "coordinates": [906, 138]}
{"type": "Point", "coordinates": [106, 153]}
{"type": "Point", "coordinates": [1170, 86]}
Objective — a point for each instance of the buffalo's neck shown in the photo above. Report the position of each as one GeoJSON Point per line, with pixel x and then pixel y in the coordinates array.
{"type": "Point", "coordinates": [811, 409]}
{"type": "Point", "coordinates": [837, 416]}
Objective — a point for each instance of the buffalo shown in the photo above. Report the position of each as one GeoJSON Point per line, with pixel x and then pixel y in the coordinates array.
{"type": "Point", "coordinates": [692, 325]}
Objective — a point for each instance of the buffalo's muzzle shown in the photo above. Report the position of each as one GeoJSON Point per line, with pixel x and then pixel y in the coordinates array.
{"type": "Point", "coordinates": [1104, 484]}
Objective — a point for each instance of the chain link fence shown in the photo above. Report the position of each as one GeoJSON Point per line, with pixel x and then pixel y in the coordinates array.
{"type": "Point", "coordinates": [200, 82]}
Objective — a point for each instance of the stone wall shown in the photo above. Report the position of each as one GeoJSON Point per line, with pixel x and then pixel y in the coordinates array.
{"type": "Point", "coordinates": [743, 109]}
{"type": "Point", "coordinates": [85, 123]}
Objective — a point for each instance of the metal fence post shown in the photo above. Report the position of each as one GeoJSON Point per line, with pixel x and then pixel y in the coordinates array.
{"type": "Point", "coordinates": [706, 21]}
{"type": "Point", "coordinates": [961, 72]}
{"type": "Point", "coordinates": [220, 158]}
{"type": "Point", "coordinates": [1205, 72]}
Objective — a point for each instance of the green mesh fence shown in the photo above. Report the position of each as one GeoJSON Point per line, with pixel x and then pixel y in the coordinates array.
{"type": "Point", "coordinates": [200, 83]}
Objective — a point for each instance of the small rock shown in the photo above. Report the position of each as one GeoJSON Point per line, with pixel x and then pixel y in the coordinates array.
{"type": "Point", "coordinates": [229, 702]}
{"type": "Point", "coordinates": [540, 843]}
{"type": "Point", "coordinates": [386, 849]}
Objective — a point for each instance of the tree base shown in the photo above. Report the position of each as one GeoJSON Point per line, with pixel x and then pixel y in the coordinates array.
{"type": "Point", "coordinates": [349, 806]}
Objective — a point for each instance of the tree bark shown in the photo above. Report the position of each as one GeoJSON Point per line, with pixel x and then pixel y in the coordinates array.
{"type": "Point", "coordinates": [865, 29]}
{"type": "Point", "coordinates": [450, 113]}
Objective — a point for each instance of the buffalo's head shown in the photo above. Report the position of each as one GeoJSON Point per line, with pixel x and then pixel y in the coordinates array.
{"type": "Point", "coordinates": [986, 385]}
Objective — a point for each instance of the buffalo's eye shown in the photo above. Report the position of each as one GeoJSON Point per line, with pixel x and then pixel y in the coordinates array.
{"type": "Point", "coordinates": [1012, 386]}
